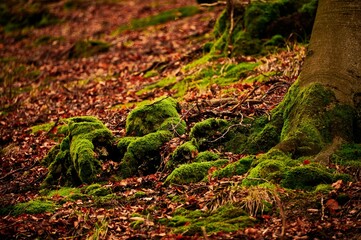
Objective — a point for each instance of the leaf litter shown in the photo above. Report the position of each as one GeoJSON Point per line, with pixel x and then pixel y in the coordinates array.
{"type": "Point", "coordinates": [42, 84]}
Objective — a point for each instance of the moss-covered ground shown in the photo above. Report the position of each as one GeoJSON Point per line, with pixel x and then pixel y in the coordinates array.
{"type": "Point", "coordinates": [156, 120]}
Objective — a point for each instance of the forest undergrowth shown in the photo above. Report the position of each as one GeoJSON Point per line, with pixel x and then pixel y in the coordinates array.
{"type": "Point", "coordinates": [67, 59]}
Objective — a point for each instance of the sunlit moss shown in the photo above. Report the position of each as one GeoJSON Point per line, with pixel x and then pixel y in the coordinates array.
{"type": "Point", "coordinates": [148, 118]}
{"type": "Point", "coordinates": [206, 156]}
{"type": "Point", "coordinates": [143, 154]}
{"type": "Point", "coordinates": [76, 160]}
{"type": "Point", "coordinates": [32, 207]}
{"type": "Point", "coordinates": [227, 218]}
{"type": "Point", "coordinates": [237, 168]}
{"type": "Point", "coordinates": [97, 190]}
{"type": "Point", "coordinates": [192, 172]}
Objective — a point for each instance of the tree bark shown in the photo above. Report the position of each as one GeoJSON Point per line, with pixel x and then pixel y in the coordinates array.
{"type": "Point", "coordinates": [322, 109]}
{"type": "Point", "coordinates": [334, 55]}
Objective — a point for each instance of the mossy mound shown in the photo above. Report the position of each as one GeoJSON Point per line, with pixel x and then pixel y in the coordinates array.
{"type": "Point", "coordinates": [269, 170]}
{"type": "Point", "coordinates": [228, 218]}
{"type": "Point", "coordinates": [97, 190]}
{"type": "Point", "coordinates": [143, 154]}
{"type": "Point", "coordinates": [208, 130]}
{"type": "Point", "coordinates": [148, 127]}
{"type": "Point", "coordinates": [192, 172]}
{"type": "Point", "coordinates": [31, 207]}
{"type": "Point", "coordinates": [306, 177]}
{"type": "Point", "coordinates": [185, 153]}
{"type": "Point", "coordinates": [279, 168]}
{"type": "Point", "coordinates": [87, 48]}
{"type": "Point", "coordinates": [206, 156]}
{"type": "Point", "coordinates": [349, 157]}
{"type": "Point", "coordinates": [161, 114]}
{"type": "Point", "coordinates": [237, 168]}
{"type": "Point", "coordinates": [78, 157]}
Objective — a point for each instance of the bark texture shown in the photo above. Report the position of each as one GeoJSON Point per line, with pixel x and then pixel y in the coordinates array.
{"type": "Point", "coordinates": [334, 56]}
{"type": "Point", "coordinates": [322, 110]}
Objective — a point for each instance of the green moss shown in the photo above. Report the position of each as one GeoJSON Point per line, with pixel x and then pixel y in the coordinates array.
{"type": "Point", "coordinates": [78, 161]}
{"type": "Point", "coordinates": [262, 140]}
{"type": "Point", "coordinates": [45, 127]}
{"type": "Point", "coordinates": [123, 144]}
{"type": "Point", "coordinates": [258, 16]}
{"type": "Point", "coordinates": [143, 154]}
{"type": "Point", "coordinates": [309, 118]}
{"type": "Point", "coordinates": [166, 83]}
{"type": "Point", "coordinates": [208, 130]}
{"type": "Point", "coordinates": [87, 48]}
{"type": "Point", "coordinates": [237, 168]}
{"type": "Point", "coordinates": [310, 7]}
{"type": "Point", "coordinates": [227, 218]}
{"type": "Point", "coordinates": [140, 194]}
{"type": "Point", "coordinates": [206, 156]}
{"type": "Point", "coordinates": [192, 172]}
{"type": "Point", "coordinates": [277, 40]}
{"type": "Point", "coordinates": [174, 125]}
{"type": "Point", "coordinates": [323, 188]}
{"type": "Point", "coordinates": [97, 190]}
{"type": "Point", "coordinates": [150, 117]}
{"type": "Point", "coordinates": [51, 155]}
{"type": "Point", "coordinates": [64, 192]}
{"type": "Point", "coordinates": [306, 177]}
{"type": "Point", "coordinates": [151, 73]}
{"type": "Point", "coordinates": [270, 170]}
{"type": "Point", "coordinates": [33, 207]}
{"type": "Point", "coordinates": [246, 45]}
{"type": "Point", "coordinates": [183, 154]}
{"type": "Point", "coordinates": [162, 17]}
{"type": "Point", "coordinates": [348, 153]}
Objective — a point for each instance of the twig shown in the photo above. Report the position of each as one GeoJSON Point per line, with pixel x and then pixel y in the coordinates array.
{"type": "Point", "coordinates": [228, 129]}
{"type": "Point", "coordinates": [213, 4]}
{"type": "Point", "coordinates": [322, 209]}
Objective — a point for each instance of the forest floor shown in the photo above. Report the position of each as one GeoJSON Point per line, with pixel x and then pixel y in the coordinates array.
{"type": "Point", "coordinates": [42, 81]}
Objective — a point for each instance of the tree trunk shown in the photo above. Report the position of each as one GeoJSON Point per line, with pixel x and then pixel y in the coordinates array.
{"type": "Point", "coordinates": [322, 109]}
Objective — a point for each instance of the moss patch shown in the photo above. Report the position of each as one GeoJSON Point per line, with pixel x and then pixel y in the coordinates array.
{"type": "Point", "coordinates": [97, 190]}
{"type": "Point", "coordinates": [45, 127]}
{"type": "Point", "coordinates": [306, 177]}
{"type": "Point", "coordinates": [77, 159]}
{"type": "Point", "coordinates": [150, 117]}
{"type": "Point", "coordinates": [227, 218]}
{"type": "Point", "coordinates": [237, 168]}
{"type": "Point", "coordinates": [263, 24]}
{"type": "Point", "coordinates": [192, 172]}
{"type": "Point", "coordinates": [206, 131]}
{"type": "Point", "coordinates": [183, 154]}
{"type": "Point", "coordinates": [311, 117]}
{"type": "Point", "coordinates": [31, 207]}
{"type": "Point", "coordinates": [143, 155]}
{"type": "Point", "coordinates": [206, 156]}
